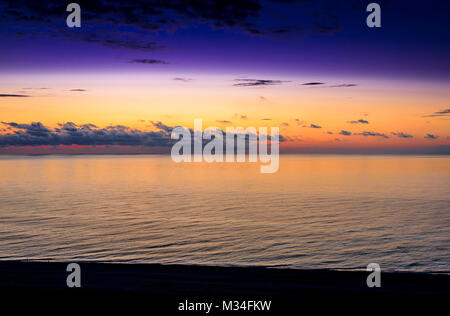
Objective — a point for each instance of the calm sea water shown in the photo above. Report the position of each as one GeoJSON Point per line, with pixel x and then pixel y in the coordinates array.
{"type": "Point", "coordinates": [315, 212]}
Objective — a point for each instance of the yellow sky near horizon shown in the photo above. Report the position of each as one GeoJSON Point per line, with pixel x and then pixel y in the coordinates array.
{"type": "Point", "coordinates": [135, 100]}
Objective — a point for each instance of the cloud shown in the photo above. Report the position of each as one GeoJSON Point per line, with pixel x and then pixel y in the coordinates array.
{"type": "Point", "coordinates": [78, 90]}
{"type": "Point", "coordinates": [323, 85]}
{"type": "Point", "coordinates": [2, 95]}
{"type": "Point", "coordinates": [402, 135]}
{"type": "Point", "coordinates": [36, 134]}
{"type": "Point", "coordinates": [33, 129]}
{"type": "Point", "coordinates": [326, 23]}
{"type": "Point", "coordinates": [284, 124]}
{"type": "Point", "coordinates": [238, 116]}
{"type": "Point", "coordinates": [300, 122]}
{"type": "Point", "coordinates": [345, 133]}
{"type": "Point", "coordinates": [148, 61]}
{"type": "Point", "coordinates": [445, 112]}
{"type": "Point", "coordinates": [344, 85]}
{"type": "Point", "coordinates": [431, 136]}
{"type": "Point", "coordinates": [373, 134]}
{"type": "Point", "coordinates": [69, 134]}
{"type": "Point", "coordinates": [135, 44]}
{"type": "Point", "coordinates": [245, 82]}
{"type": "Point", "coordinates": [315, 126]}
{"type": "Point", "coordinates": [224, 122]}
{"type": "Point", "coordinates": [360, 121]}
{"type": "Point", "coordinates": [312, 83]}
{"type": "Point", "coordinates": [129, 24]}
{"type": "Point", "coordinates": [266, 119]}
{"type": "Point", "coordinates": [159, 125]}
{"type": "Point", "coordinates": [182, 79]}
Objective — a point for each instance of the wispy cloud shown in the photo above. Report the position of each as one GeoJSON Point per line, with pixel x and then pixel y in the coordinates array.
{"type": "Point", "coordinates": [2, 95]}
{"type": "Point", "coordinates": [373, 134]}
{"type": "Point", "coordinates": [345, 133]}
{"type": "Point", "coordinates": [323, 85]}
{"type": "Point", "coordinates": [445, 112]}
{"type": "Point", "coordinates": [431, 136]}
{"type": "Point", "coordinates": [110, 42]}
{"type": "Point", "coordinates": [326, 22]}
{"type": "Point", "coordinates": [246, 82]}
{"type": "Point", "coordinates": [182, 79]}
{"type": "Point", "coordinates": [402, 135]}
{"type": "Point", "coordinates": [344, 85]}
{"type": "Point", "coordinates": [148, 61]}
{"type": "Point", "coordinates": [360, 121]}
{"type": "Point", "coordinates": [312, 83]}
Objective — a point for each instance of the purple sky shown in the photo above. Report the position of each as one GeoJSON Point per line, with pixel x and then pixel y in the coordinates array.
{"type": "Point", "coordinates": [317, 38]}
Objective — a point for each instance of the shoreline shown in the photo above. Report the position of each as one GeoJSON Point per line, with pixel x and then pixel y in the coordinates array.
{"type": "Point", "coordinates": [218, 280]}
{"type": "Point", "coordinates": [169, 289]}
{"type": "Point", "coordinates": [224, 266]}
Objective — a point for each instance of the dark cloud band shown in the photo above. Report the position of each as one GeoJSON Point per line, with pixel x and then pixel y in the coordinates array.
{"type": "Point", "coordinates": [37, 134]}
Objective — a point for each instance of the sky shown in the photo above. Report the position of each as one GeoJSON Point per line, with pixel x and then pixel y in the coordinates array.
{"type": "Point", "coordinates": [136, 69]}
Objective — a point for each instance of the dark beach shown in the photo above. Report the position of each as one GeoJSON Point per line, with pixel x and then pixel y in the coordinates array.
{"type": "Point", "coordinates": [164, 287]}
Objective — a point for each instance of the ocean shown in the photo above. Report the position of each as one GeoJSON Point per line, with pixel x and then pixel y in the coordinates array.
{"type": "Point", "coordinates": [317, 211]}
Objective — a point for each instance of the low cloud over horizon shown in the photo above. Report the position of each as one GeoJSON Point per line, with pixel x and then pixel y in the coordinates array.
{"type": "Point", "coordinates": [72, 138]}
{"type": "Point", "coordinates": [69, 133]}
{"type": "Point", "coordinates": [37, 134]}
